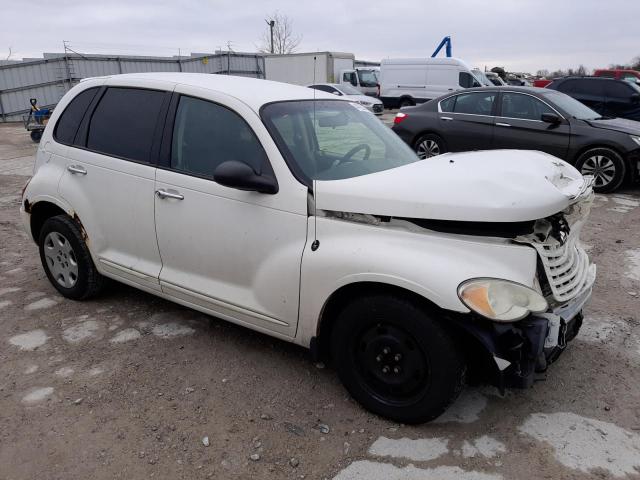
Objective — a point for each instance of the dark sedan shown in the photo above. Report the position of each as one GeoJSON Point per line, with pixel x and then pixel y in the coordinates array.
{"type": "Point", "coordinates": [525, 118]}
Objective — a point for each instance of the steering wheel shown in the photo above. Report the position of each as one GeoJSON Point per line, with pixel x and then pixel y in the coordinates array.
{"type": "Point", "coordinates": [347, 156]}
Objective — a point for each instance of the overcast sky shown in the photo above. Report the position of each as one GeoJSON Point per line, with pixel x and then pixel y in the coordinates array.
{"type": "Point", "coordinates": [521, 35]}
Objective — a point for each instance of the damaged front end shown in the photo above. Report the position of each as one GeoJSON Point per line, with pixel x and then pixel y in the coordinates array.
{"type": "Point", "coordinates": [565, 278]}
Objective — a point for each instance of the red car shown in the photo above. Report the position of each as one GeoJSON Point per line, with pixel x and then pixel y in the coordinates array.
{"type": "Point", "coordinates": [541, 83]}
{"type": "Point", "coordinates": [618, 74]}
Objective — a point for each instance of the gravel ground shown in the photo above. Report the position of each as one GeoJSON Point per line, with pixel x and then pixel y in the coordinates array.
{"type": "Point", "coordinates": [132, 386]}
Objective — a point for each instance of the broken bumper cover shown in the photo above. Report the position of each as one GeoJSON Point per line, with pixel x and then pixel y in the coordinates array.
{"type": "Point", "coordinates": [521, 349]}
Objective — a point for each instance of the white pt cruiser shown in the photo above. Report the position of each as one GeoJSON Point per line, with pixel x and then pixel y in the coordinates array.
{"type": "Point", "coordinates": [300, 215]}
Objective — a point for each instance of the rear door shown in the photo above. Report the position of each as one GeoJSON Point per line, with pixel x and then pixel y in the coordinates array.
{"type": "Point", "coordinates": [519, 125]}
{"type": "Point", "coordinates": [466, 120]}
{"type": "Point", "coordinates": [109, 181]}
{"type": "Point", "coordinates": [620, 100]}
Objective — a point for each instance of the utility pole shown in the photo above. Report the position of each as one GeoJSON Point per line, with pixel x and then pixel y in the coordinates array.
{"type": "Point", "coordinates": [271, 23]}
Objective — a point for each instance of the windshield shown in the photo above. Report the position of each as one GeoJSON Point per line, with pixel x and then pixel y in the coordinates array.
{"type": "Point", "coordinates": [482, 78]}
{"type": "Point", "coordinates": [349, 90]}
{"type": "Point", "coordinates": [368, 78]}
{"type": "Point", "coordinates": [571, 106]}
{"type": "Point", "coordinates": [333, 140]}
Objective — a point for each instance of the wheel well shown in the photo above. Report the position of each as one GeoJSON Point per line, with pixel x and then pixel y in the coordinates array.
{"type": "Point", "coordinates": [341, 297]}
{"type": "Point", "coordinates": [414, 142]}
{"type": "Point", "coordinates": [40, 213]}
{"type": "Point", "coordinates": [406, 97]}
{"type": "Point", "coordinates": [626, 160]}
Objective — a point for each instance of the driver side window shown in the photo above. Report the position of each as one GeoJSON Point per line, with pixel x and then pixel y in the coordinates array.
{"type": "Point", "coordinates": [206, 134]}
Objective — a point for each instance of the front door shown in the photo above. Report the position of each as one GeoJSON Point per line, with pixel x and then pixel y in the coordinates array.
{"type": "Point", "coordinates": [230, 252]}
{"type": "Point", "coordinates": [109, 182]}
{"type": "Point", "coordinates": [466, 121]}
{"type": "Point", "coordinates": [519, 125]}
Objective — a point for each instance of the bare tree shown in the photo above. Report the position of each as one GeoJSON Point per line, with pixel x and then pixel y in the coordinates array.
{"type": "Point", "coordinates": [10, 53]}
{"type": "Point", "coordinates": [284, 40]}
{"type": "Point", "coordinates": [543, 73]}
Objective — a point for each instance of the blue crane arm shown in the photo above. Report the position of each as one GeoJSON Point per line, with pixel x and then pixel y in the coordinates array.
{"type": "Point", "coordinates": [446, 41]}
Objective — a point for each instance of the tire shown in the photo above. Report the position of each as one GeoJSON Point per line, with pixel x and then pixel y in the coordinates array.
{"type": "Point", "coordinates": [36, 135]}
{"type": "Point", "coordinates": [430, 145]}
{"type": "Point", "coordinates": [606, 165]}
{"type": "Point", "coordinates": [67, 260]}
{"type": "Point", "coordinates": [395, 359]}
{"type": "Point", "coordinates": [406, 102]}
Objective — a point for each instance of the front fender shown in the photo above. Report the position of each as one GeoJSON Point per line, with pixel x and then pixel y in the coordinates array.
{"type": "Point", "coordinates": [398, 253]}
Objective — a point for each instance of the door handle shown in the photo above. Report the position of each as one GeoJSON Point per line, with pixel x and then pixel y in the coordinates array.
{"type": "Point", "coordinates": [498, 124]}
{"type": "Point", "coordinates": [166, 194]}
{"type": "Point", "coordinates": [446, 118]}
{"type": "Point", "coordinates": [77, 169]}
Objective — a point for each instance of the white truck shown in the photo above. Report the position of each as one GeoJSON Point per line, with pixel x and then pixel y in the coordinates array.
{"type": "Point", "coordinates": [321, 67]}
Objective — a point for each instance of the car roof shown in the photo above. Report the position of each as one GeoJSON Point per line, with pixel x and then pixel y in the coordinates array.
{"type": "Point", "coordinates": [252, 91]}
{"type": "Point", "coordinates": [505, 88]}
{"type": "Point", "coordinates": [588, 77]}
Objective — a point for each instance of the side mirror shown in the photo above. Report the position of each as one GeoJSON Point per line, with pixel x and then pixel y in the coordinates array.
{"type": "Point", "coordinates": [239, 175]}
{"type": "Point", "coordinates": [551, 118]}
{"type": "Point", "coordinates": [635, 98]}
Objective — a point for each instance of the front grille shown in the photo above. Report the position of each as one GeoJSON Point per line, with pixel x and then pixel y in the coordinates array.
{"type": "Point", "coordinates": [377, 108]}
{"type": "Point", "coordinates": [566, 267]}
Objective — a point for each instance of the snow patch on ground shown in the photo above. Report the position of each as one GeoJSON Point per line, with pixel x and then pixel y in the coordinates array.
{"type": "Point", "coordinates": [486, 446]}
{"type": "Point", "coordinates": [40, 304]}
{"type": "Point", "coordinates": [172, 329]}
{"type": "Point", "coordinates": [126, 335]}
{"type": "Point", "coordinates": [37, 394]}
{"type": "Point", "coordinates": [83, 331]}
{"type": "Point", "coordinates": [585, 444]}
{"type": "Point", "coordinates": [421, 450]}
{"type": "Point", "coordinates": [64, 372]}
{"type": "Point", "coordinates": [4, 291]}
{"type": "Point", "coordinates": [34, 295]}
{"type": "Point", "coordinates": [31, 369]}
{"type": "Point", "coordinates": [466, 409]}
{"type": "Point", "coordinates": [30, 340]}
{"type": "Point", "coordinates": [367, 470]}
{"type": "Point", "coordinates": [633, 264]}
{"type": "Point", "coordinates": [5, 303]}
{"type": "Point", "coordinates": [95, 371]}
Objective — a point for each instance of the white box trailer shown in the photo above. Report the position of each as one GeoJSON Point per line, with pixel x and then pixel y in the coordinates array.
{"type": "Point", "coordinates": [330, 67]}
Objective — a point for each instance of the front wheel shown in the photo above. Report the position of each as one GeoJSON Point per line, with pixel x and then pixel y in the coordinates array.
{"type": "Point", "coordinates": [66, 259]}
{"type": "Point", "coordinates": [430, 145]}
{"type": "Point", "coordinates": [607, 167]}
{"type": "Point", "coordinates": [395, 359]}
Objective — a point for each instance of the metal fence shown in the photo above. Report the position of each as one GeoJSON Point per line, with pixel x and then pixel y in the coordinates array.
{"type": "Point", "coordinates": [48, 79]}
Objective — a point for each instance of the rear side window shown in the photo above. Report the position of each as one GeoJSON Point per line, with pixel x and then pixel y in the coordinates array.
{"type": "Point", "coordinates": [447, 104]}
{"type": "Point", "coordinates": [70, 119]}
{"type": "Point", "coordinates": [567, 86]}
{"type": "Point", "coordinates": [477, 103]}
{"type": "Point", "coordinates": [466, 80]}
{"type": "Point", "coordinates": [589, 87]}
{"type": "Point", "coordinates": [618, 89]}
{"type": "Point", "coordinates": [206, 134]}
{"type": "Point", "coordinates": [124, 122]}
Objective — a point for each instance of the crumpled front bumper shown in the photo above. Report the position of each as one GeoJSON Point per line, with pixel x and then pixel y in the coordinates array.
{"type": "Point", "coordinates": [520, 350]}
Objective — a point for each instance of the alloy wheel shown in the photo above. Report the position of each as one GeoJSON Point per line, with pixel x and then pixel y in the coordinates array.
{"type": "Point", "coordinates": [601, 167]}
{"type": "Point", "coordinates": [61, 259]}
{"type": "Point", "coordinates": [427, 149]}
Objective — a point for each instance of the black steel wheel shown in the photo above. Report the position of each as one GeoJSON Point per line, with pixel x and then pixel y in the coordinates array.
{"type": "Point", "coordinates": [396, 359]}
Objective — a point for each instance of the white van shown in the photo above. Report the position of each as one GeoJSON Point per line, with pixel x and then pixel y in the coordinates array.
{"type": "Point", "coordinates": [407, 81]}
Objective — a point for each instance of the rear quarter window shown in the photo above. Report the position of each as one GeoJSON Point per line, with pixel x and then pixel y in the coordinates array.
{"type": "Point", "coordinates": [70, 120]}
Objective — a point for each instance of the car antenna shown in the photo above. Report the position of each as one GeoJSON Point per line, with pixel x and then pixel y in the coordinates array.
{"type": "Point", "coordinates": [316, 242]}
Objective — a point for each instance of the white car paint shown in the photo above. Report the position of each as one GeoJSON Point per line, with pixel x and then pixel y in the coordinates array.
{"type": "Point", "coordinates": [349, 93]}
{"type": "Point", "coordinates": [247, 257]}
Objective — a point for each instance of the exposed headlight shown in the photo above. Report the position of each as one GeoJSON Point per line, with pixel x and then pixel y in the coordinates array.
{"type": "Point", "coordinates": [635, 139]}
{"type": "Point", "coordinates": [500, 300]}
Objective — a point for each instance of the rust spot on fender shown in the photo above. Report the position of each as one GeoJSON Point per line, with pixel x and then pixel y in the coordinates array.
{"type": "Point", "coordinates": [85, 237]}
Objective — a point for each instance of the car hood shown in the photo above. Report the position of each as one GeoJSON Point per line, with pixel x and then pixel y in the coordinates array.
{"type": "Point", "coordinates": [617, 125]}
{"type": "Point", "coordinates": [483, 186]}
